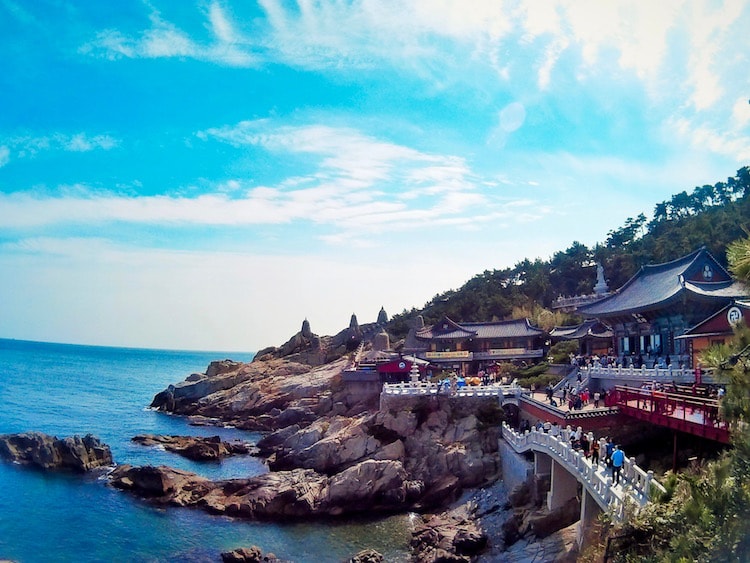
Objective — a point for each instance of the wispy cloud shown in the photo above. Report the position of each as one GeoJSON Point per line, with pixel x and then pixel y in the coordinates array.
{"type": "Point", "coordinates": [165, 40]}
{"type": "Point", "coordinates": [4, 156]}
{"type": "Point", "coordinates": [671, 51]}
{"type": "Point", "coordinates": [355, 184]}
{"type": "Point", "coordinates": [29, 145]}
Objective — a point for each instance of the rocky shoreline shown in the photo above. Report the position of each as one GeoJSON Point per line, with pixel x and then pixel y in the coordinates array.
{"type": "Point", "coordinates": [332, 451]}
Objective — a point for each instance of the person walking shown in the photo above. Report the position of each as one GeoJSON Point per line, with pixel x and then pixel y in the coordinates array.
{"type": "Point", "coordinates": [608, 449]}
{"type": "Point", "coordinates": [618, 459]}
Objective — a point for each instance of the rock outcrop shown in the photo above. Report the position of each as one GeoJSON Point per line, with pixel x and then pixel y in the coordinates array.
{"type": "Point", "coordinates": [194, 447]}
{"type": "Point", "coordinates": [251, 554]}
{"type": "Point", "coordinates": [450, 536]}
{"type": "Point", "coordinates": [49, 452]}
{"type": "Point", "coordinates": [366, 487]}
{"type": "Point", "coordinates": [442, 444]}
{"type": "Point", "coordinates": [367, 556]}
{"type": "Point", "coordinates": [263, 395]}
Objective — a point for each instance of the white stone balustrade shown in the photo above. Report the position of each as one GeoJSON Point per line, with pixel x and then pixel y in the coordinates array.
{"type": "Point", "coordinates": [594, 477]}
{"type": "Point", "coordinates": [426, 388]}
{"type": "Point", "coordinates": [667, 374]}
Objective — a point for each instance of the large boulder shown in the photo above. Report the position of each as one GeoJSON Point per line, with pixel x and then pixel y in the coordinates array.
{"type": "Point", "coordinates": [251, 554]}
{"type": "Point", "coordinates": [49, 452]}
{"type": "Point", "coordinates": [450, 536]}
{"type": "Point", "coordinates": [162, 484]}
{"type": "Point", "coordinates": [194, 447]}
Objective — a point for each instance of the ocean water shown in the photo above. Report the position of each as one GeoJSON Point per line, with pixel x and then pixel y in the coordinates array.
{"type": "Point", "coordinates": [62, 390]}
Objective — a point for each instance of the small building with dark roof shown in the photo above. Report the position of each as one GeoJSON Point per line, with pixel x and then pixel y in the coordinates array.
{"type": "Point", "coordinates": [470, 347]}
{"type": "Point", "coordinates": [716, 329]}
{"type": "Point", "coordinates": [661, 302]}
{"type": "Point", "coordinates": [593, 337]}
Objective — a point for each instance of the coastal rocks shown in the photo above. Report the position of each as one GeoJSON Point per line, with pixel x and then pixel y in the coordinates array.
{"type": "Point", "coordinates": [452, 536]}
{"type": "Point", "coordinates": [327, 445]}
{"type": "Point", "coordinates": [367, 556]}
{"type": "Point", "coordinates": [441, 446]}
{"type": "Point", "coordinates": [263, 395]}
{"type": "Point", "coordinates": [195, 448]}
{"type": "Point", "coordinates": [162, 484]}
{"type": "Point", "coordinates": [251, 554]}
{"type": "Point", "coordinates": [559, 547]}
{"type": "Point", "coordinates": [369, 486]}
{"type": "Point", "coordinates": [48, 452]}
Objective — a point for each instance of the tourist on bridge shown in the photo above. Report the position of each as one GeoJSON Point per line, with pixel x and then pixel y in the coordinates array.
{"type": "Point", "coordinates": [595, 452]}
{"type": "Point", "coordinates": [555, 430]}
{"type": "Point", "coordinates": [618, 459]}
{"type": "Point", "coordinates": [608, 449]}
{"type": "Point", "coordinates": [585, 444]}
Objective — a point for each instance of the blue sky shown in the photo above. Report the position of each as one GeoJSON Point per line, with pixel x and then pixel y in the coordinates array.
{"type": "Point", "coordinates": [208, 174]}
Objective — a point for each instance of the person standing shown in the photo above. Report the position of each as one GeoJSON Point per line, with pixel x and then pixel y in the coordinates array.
{"type": "Point", "coordinates": [595, 453]}
{"type": "Point", "coordinates": [618, 459]}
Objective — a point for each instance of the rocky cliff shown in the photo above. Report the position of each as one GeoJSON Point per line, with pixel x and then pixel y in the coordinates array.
{"type": "Point", "coordinates": [429, 449]}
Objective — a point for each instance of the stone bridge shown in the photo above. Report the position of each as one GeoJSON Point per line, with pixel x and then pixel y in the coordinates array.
{"type": "Point", "coordinates": [566, 467]}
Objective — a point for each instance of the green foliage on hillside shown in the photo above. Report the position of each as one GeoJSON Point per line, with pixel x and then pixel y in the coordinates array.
{"type": "Point", "coordinates": [710, 216]}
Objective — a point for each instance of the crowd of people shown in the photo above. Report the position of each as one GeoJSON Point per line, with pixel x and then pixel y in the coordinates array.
{"type": "Point", "coordinates": [575, 396]}
{"type": "Point", "coordinates": [602, 452]}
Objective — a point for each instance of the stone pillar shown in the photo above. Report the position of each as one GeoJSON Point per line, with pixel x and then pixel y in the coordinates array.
{"type": "Point", "coordinates": [542, 464]}
{"type": "Point", "coordinates": [563, 488]}
{"type": "Point", "coordinates": [589, 512]}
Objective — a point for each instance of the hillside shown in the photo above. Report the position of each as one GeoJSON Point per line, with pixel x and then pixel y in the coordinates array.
{"type": "Point", "coordinates": [710, 216]}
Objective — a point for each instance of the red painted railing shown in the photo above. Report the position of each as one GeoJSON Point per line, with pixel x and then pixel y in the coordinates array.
{"type": "Point", "coordinates": [686, 413]}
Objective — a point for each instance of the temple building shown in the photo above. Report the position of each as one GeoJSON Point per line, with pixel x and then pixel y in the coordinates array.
{"type": "Point", "coordinates": [661, 303]}
{"type": "Point", "coordinates": [471, 347]}
{"type": "Point", "coordinates": [716, 329]}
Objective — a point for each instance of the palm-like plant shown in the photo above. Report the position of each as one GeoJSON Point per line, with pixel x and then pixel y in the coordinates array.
{"type": "Point", "coordinates": [738, 256]}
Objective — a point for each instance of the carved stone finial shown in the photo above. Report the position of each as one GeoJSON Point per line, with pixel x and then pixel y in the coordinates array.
{"type": "Point", "coordinates": [306, 332]}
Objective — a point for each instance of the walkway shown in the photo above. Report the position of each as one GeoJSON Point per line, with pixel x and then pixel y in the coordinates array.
{"type": "Point", "coordinates": [635, 487]}
{"type": "Point", "coordinates": [687, 413]}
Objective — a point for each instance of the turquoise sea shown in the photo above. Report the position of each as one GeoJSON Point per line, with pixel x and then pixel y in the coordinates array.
{"type": "Point", "coordinates": [63, 389]}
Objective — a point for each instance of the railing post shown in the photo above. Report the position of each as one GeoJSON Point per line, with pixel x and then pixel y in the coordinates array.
{"type": "Point", "coordinates": [647, 484]}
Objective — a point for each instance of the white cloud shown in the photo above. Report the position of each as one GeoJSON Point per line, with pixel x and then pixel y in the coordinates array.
{"type": "Point", "coordinates": [741, 111]}
{"type": "Point", "coordinates": [733, 143]}
{"type": "Point", "coordinates": [4, 156]}
{"type": "Point", "coordinates": [29, 146]}
{"type": "Point", "coordinates": [165, 40]}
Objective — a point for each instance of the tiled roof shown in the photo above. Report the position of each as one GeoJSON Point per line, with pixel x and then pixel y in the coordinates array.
{"type": "Point", "coordinates": [519, 328]}
{"type": "Point", "coordinates": [447, 330]}
{"type": "Point", "coordinates": [591, 327]}
{"type": "Point", "coordinates": [657, 285]}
